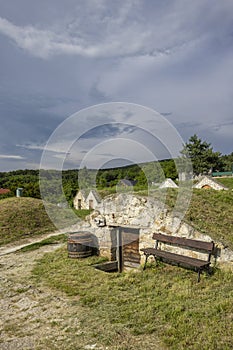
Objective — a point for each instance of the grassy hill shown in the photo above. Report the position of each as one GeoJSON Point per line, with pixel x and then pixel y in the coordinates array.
{"type": "Point", "coordinates": [210, 212]}
{"type": "Point", "coordinates": [226, 181]}
{"type": "Point", "coordinates": [22, 218]}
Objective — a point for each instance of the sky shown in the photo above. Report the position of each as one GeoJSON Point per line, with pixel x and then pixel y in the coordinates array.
{"type": "Point", "coordinates": [127, 58]}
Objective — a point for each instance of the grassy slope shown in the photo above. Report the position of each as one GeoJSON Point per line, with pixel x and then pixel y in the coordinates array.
{"type": "Point", "coordinates": [210, 212]}
{"type": "Point", "coordinates": [22, 218]}
{"type": "Point", "coordinates": [226, 181]}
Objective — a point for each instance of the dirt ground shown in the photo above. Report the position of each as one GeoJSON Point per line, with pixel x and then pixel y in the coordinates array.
{"type": "Point", "coordinates": [34, 317]}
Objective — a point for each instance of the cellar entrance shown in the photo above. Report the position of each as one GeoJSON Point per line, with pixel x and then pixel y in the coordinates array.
{"type": "Point", "coordinates": [130, 247]}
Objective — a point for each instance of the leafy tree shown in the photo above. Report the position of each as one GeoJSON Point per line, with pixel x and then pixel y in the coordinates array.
{"type": "Point", "coordinates": [227, 162]}
{"type": "Point", "coordinates": [169, 168]}
{"type": "Point", "coordinates": [204, 159]}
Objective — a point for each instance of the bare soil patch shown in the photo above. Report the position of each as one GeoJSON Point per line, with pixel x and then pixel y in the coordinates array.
{"type": "Point", "coordinates": [33, 316]}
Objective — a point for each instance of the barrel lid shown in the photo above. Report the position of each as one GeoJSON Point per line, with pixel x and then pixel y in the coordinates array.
{"type": "Point", "coordinates": [79, 234]}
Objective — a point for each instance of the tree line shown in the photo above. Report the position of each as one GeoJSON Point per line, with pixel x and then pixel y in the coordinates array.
{"type": "Point", "coordinates": [204, 161]}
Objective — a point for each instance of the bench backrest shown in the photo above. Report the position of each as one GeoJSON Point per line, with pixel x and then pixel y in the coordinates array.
{"type": "Point", "coordinates": [185, 242]}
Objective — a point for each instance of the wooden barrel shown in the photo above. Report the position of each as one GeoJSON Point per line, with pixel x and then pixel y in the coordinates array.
{"type": "Point", "coordinates": [79, 245]}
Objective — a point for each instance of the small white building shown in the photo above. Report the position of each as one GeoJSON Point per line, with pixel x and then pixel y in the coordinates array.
{"type": "Point", "coordinates": [80, 200]}
{"type": "Point", "coordinates": [92, 200]}
{"type": "Point", "coordinates": [85, 200]}
{"type": "Point", "coordinates": [206, 182]}
{"type": "Point", "coordinates": [168, 183]}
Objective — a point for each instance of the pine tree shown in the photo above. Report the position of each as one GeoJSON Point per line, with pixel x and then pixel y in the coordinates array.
{"type": "Point", "coordinates": [204, 159]}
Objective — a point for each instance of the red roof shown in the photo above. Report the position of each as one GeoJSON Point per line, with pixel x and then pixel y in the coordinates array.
{"type": "Point", "coordinates": [4, 190]}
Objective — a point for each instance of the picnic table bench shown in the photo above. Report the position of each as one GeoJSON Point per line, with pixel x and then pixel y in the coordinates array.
{"type": "Point", "coordinates": [160, 252]}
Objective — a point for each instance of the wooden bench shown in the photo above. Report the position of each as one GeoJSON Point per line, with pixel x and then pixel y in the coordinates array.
{"type": "Point", "coordinates": [160, 253]}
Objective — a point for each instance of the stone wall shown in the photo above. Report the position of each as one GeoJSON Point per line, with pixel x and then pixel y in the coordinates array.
{"type": "Point", "coordinates": [150, 216]}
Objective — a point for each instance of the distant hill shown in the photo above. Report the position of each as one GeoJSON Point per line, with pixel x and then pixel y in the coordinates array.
{"type": "Point", "coordinates": [22, 218]}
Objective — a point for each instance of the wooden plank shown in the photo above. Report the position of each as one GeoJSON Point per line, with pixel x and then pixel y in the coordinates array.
{"type": "Point", "coordinates": [176, 257]}
{"type": "Point", "coordinates": [131, 265]}
{"type": "Point", "coordinates": [134, 259]}
{"type": "Point", "coordinates": [184, 242]}
{"type": "Point", "coordinates": [130, 242]}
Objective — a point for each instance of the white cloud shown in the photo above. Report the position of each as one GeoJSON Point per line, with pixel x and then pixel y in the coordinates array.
{"type": "Point", "coordinates": [123, 28]}
{"type": "Point", "coordinates": [90, 35]}
{"type": "Point", "coordinates": [96, 29]}
{"type": "Point", "coordinates": [9, 156]}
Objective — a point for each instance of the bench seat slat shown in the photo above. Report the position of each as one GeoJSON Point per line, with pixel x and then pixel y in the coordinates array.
{"type": "Point", "coordinates": [185, 242]}
{"type": "Point", "coordinates": [176, 257]}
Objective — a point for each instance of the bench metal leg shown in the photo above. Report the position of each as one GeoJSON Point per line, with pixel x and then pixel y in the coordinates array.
{"type": "Point", "coordinates": [145, 262]}
{"type": "Point", "coordinates": [209, 270]}
{"type": "Point", "coordinates": [199, 275]}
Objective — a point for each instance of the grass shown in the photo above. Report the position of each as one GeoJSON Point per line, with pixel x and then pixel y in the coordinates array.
{"type": "Point", "coordinates": [25, 217]}
{"type": "Point", "coordinates": [82, 213]}
{"type": "Point", "coordinates": [48, 241]}
{"type": "Point", "coordinates": [134, 309]}
{"type": "Point", "coordinates": [22, 218]}
{"type": "Point", "coordinates": [210, 212]}
{"type": "Point", "coordinates": [226, 181]}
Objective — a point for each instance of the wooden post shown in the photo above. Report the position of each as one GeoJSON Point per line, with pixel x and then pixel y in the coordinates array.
{"type": "Point", "coordinates": [119, 251]}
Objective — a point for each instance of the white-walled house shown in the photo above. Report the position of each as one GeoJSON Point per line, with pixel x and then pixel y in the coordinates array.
{"type": "Point", "coordinates": [85, 200]}
{"type": "Point", "coordinates": [80, 200]}
{"type": "Point", "coordinates": [92, 200]}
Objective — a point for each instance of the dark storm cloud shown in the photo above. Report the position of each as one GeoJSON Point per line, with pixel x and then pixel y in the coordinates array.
{"type": "Point", "coordinates": [108, 131]}
{"type": "Point", "coordinates": [58, 57]}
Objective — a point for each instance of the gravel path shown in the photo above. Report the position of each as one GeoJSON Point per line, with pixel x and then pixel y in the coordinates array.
{"type": "Point", "coordinates": [33, 317]}
{"type": "Point", "coordinates": [13, 247]}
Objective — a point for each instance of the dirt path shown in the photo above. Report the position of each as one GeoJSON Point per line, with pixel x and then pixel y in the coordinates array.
{"type": "Point", "coordinates": [35, 317]}
{"type": "Point", "coordinates": [13, 247]}
{"type": "Point", "coordinates": [31, 316]}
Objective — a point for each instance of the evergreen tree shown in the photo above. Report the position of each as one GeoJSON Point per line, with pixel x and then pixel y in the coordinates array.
{"type": "Point", "coordinates": [204, 159]}
{"type": "Point", "coordinates": [227, 162]}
